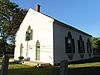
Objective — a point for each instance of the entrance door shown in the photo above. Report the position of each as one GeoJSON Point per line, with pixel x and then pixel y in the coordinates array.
{"type": "Point", "coordinates": [37, 50]}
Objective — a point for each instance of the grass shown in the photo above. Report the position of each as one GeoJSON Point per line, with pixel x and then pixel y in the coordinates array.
{"type": "Point", "coordinates": [73, 69]}
{"type": "Point", "coordinates": [93, 64]}
{"type": "Point", "coordinates": [84, 69]}
{"type": "Point", "coordinates": [20, 69]}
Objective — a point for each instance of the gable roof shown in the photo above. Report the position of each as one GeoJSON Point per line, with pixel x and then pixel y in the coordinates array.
{"type": "Point", "coordinates": [66, 25]}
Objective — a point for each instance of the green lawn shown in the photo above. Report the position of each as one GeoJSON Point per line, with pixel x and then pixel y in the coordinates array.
{"type": "Point", "coordinates": [20, 69]}
{"type": "Point", "coordinates": [73, 69]}
{"type": "Point", "coordinates": [93, 64]}
{"type": "Point", "coordinates": [84, 69]}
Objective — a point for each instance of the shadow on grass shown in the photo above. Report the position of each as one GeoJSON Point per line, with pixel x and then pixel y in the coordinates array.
{"type": "Point", "coordinates": [19, 69]}
{"type": "Point", "coordinates": [54, 71]}
{"type": "Point", "coordinates": [29, 70]}
{"type": "Point", "coordinates": [33, 71]}
{"type": "Point", "coordinates": [95, 59]}
{"type": "Point", "coordinates": [84, 71]}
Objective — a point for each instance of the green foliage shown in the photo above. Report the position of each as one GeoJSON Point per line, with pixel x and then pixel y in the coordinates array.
{"type": "Point", "coordinates": [20, 57]}
{"type": "Point", "coordinates": [9, 47]}
{"type": "Point", "coordinates": [10, 19]}
{"type": "Point", "coordinates": [96, 45]}
{"type": "Point", "coordinates": [95, 42]}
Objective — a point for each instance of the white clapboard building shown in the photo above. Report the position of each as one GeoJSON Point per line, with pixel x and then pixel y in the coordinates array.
{"type": "Point", "coordinates": [41, 38]}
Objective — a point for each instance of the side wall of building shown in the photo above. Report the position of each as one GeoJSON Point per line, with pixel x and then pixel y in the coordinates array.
{"type": "Point", "coordinates": [42, 27]}
{"type": "Point", "coordinates": [60, 32]}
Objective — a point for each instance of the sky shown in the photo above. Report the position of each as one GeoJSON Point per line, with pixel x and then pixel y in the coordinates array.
{"type": "Point", "coordinates": [81, 14]}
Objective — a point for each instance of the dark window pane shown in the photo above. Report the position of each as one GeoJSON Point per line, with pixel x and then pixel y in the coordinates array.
{"type": "Point", "coordinates": [81, 47]}
{"type": "Point", "coordinates": [69, 44]}
{"type": "Point", "coordinates": [73, 46]}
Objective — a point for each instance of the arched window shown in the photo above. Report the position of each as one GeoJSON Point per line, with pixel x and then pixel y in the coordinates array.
{"type": "Point", "coordinates": [81, 47]}
{"type": "Point", "coordinates": [69, 44]}
{"type": "Point", "coordinates": [89, 49]}
{"type": "Point", "coordinates": [29, 33]}
{"type": "Point", "coordinates": [21, 49]}
{"type": "Point", "coordinates": [37, 50]}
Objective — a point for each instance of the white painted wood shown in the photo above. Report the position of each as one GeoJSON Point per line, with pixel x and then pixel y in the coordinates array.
{"type": "Point", "coordinates": [51, 35]}
{"type": "Point", "coordinates": [42, 30]}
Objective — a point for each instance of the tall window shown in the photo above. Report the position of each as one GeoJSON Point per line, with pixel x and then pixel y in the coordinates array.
{"type": "Point", "coordinates": [89, 49]}
{"type": "Point", "coordinates": [21, 49]}
{"type": "Point", "coordinates": [81, 47]}
{"type": "Point", "coordinates": [29, 33]}
{"type": "Point", "coordinates": [37, 50]}
{"type": "Point", "coordinates": [69, 44]}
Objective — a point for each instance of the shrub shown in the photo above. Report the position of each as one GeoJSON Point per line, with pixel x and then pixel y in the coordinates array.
{"type": "Point", "coordinates": [20, 57]}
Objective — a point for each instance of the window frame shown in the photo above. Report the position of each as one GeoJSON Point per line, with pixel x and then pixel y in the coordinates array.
{"type": "Point", "coordinates": [89, 47]}
{"type": "Point", "coordinates": [21, 49]}
{"type": "Point", "coordinates": [81, 47]}
{"type": "Point", "coordinates": [29, 34]}
{"type": "Point", "coordinates": [69, 48]}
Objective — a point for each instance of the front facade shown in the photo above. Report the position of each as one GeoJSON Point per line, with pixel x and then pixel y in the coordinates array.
{"type": "Point", "coordinates": [44, 39]}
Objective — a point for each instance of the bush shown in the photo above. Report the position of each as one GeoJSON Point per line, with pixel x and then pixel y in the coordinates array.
{"type": "Point", "coordinates": [20, 57]}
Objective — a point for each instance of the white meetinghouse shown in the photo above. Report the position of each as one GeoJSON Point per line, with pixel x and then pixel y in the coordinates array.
{"type": "Point", "coordinates": [44, 39]}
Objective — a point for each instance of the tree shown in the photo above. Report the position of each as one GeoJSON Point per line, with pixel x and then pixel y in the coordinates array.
{"type": "Point", "coordinates": [10, 19]}
{"type": "Point", "coordinates": [9, 47]}
{"type": "Point", "coordinates": [96, 45]}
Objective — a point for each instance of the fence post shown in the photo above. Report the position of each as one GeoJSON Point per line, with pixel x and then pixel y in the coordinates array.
{"type": "Point", "coordinates": [63, 68]}
{"type": "Point", "coordinates": [5, 62]}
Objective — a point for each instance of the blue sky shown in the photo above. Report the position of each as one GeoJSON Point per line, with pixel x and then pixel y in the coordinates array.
{"type": "Point", "coordinates": [81, 14]}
